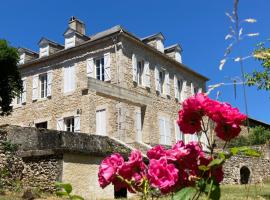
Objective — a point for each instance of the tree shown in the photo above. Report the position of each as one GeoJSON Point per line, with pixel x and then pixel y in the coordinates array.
{"type": "Point", "coordinates": [261, 79]}
{"type": "Point", "coordinates": [10, 78]}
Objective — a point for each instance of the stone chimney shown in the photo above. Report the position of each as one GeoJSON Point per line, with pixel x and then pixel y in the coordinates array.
{"type": "Point", "coordinates": [77, 25]}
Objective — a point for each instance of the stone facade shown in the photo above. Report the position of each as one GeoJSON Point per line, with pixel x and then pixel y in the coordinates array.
{"type": "Point", "coordinates": [85, 101]}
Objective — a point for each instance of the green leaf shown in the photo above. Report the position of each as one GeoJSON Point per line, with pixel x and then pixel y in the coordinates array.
{"type": "Point", "coordinates": [61, 193]}
{"type": "Point", "coordinates": [216, 162]}
{"type": "Point", "coordinates": [66, 186]}
{"type": "Point", "coordinates": [203, 168]}
{"type": "Point", "coordinates": [234, 151]}
{"type": "Point", "coordinates": [76, 197]}
{"type": "Point", "coordinates": [186, 193]}
{"type": "Point", "coordinates": [215, 190]}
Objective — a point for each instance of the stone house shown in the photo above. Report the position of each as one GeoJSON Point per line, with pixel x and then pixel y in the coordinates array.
{"type": "Point", "coordinates": [110, 83]}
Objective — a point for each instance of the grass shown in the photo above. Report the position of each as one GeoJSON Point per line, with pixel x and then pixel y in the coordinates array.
{"type": "Point", "coordinates": [239, 192]}
{"type": "Point", "coordinates": [228, 192]}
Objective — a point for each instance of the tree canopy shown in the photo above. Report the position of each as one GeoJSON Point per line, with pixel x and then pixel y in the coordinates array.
{"type": "Point", "coordinates": [10, 78]}
{"type": "Point", "coordinates": [261, 79]}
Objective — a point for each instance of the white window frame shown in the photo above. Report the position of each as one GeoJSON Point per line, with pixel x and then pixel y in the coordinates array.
{"type": "Point", "coordinates": [138, 125]}
{"type": "Point", "coordinates": [104, 124]}
{"type": "Point", "coordinates": [166, 127]}
{"type": "Point", "coordinates": [140, 72]}
{"type": "Point", "coordinates": [69, 78]}
{"type": "Point", "coordinates": [70, 41]}
{"type": "Point", "coordinates": [161, 74]}
{"type": "Point", "coordinates": [68, 125]}
{"type": "Point", "coordinates": [101, 69]}
{"type": "Point", "coordinates": [22, 59]}
{"type": "Point", "coordinates": [44, 51]}
{"type": "Point", "coordinates": [43, 78]}
{"type": "Point", "coordinates": [178, 133]}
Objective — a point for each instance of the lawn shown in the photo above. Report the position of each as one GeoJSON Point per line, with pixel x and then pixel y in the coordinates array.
{"type": "Point", "coordinates": [228, 192]}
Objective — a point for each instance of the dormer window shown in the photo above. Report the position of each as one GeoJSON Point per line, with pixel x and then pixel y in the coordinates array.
{"type": "Point", "coordinates": [44, 51]}
{"type": "Point", "coordinates": [22, 59]}
{"type": "Point", "coordinates": [70, 41]}
{"type": "Point", "coordinates": [178, 57]}
{"type": "Point", "coordinates": [160, 46]}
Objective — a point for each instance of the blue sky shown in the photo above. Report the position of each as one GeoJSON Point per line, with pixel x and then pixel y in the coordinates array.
{"type": "Point", "coordinates": [198, 25]}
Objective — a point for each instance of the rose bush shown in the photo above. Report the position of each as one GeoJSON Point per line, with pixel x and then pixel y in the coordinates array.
{"type": "Point", "coordinates": [184, 170]}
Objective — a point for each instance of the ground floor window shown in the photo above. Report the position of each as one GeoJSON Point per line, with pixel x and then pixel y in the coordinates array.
{"type": "Point", "coordinates": [101, 122]}
{"type": "Point", "coordinates": [42, 125]}
{"type": "Point", "coordinates": [69, 124]}
{"type": "Point", "coordinates": [165, 131]}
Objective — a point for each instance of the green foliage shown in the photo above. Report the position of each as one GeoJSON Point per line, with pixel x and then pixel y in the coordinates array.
{"type": "Point", "coordinates": [257, 136]}
{"type": "Point", "coordinates": [261, 79]}
{"type": "Point", "coordinates": [10, 78]}
{"type": "Point", "coordinates": [65, 189]}
{"type": "Point", "coordinates": [9, 147]}
{"type": "Point", "coordinates": [212, 190]}
{"type": "Point", "coordinates": [247, 151]}
{"type": "Point", "coordinates": [185, 194]}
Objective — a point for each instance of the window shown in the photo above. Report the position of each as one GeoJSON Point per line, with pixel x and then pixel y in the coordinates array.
{"type": "Point", "coordinates": [70, 41]}
{"type": "Point", "coordinates": [42, 125]}
{"type": "Point", "coordinates": [69, 124]}
{"type": "Point", "coordinates": [165, 131]}
{"type": "Point", "coordinates": [22, 97]}
{"type": "Point", "coordinates": [161, 81]}
{"type": "Point", "coordinates": [43, 85]}
{"type": "Point", "coordinates": [140, 72]}
{"type": "Point", "coordinates": [22, 58]}
{"type": "Point", "coordinates": [178, 134]}
{"type": "Point", "coordinates": [196, 90]}
{"type": "Point", "coordinates": [44, 51]}
{"type": "Point", "coordinates": [69, 78]}
{"type": "Point", "coordinates": [101, 122]}
{"type": "Point", "coordinates": [100, 70]}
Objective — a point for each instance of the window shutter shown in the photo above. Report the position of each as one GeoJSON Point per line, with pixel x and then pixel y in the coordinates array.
{"type": "Point", "coordinates": [178, 133]}
{"type": "Point", "coordinates": [200, 90]}
{"type": "Point", "coordinates": [157, 81]}
{"type": "Point", "coordinates": [192, 89]}
{"type": "Point", "coordinates": [146, 74]}
{"type": "Point", "coordinates": [60, 124]}
{"type": "Point", "coordinates": [90, 67]}
{"type": "Point", "coordinates": [183, 91]}
{"type": "Point", "coordinates": [162, 131]}
{"type": "Point", "coordinates": [167, 81]}
{"type": "Point", "coordinates": [176, 89]}
{"type": "Point", "coordinates": [77, 127]}
{"type": "Point", "coordinates": [134, 67]}
{"type": "Point", "coordinates": [139, 126]}
{"type": "Point", "coordinates": [24, 91]}
{"type": "Point", "coordinates": [204, 142]}
{"type": "Point", "coordinates": [72, 77]}
{"type": "Point", "coordinates": [107, 64]}
{"type": "Point", "coordinates": [49, 83]}
{"type": "Point", "coordinates": [168, 132]}
{"type": "Point", "coordinates": [35, 88]}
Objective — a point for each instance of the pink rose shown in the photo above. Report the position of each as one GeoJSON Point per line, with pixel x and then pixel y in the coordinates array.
{"type": "Point", "coordinates": [108, 169]}
{"type": "Point", "coordinates": [156, 152]}
{"type": "Point", "coordinates": [162, 175]}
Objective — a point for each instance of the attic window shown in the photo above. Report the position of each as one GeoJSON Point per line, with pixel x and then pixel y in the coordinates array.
{"type": "Point", "coordinates": [22, 59]}
{"type": "Point", "coordinates": [44, 51]}
{"type": "Point", "coordinates": [160, 46]}
{"type": "Point", "coordinates": [178, 57]}
{"type": "Point", "coordinates": [69, 41]}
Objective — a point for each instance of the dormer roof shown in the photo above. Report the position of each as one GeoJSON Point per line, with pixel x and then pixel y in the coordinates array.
{"type": "Point", "coordinates": [154, 36]}
{"type": "Point", "coordinates": [44, 41]}
{"type": "Point", "coordinates": [72, 31]}
{"type": "Point", "coordinates": [22, 50]}
{"type": "Point", "coordinates": [174, 47]}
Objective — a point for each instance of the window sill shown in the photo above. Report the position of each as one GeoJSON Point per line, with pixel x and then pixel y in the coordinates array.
{"type": "Point", "coordinates": [69, 93]}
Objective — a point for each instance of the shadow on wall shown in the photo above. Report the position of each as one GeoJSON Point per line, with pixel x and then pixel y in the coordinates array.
{"type": "Point", "coordinates": [244, 175]}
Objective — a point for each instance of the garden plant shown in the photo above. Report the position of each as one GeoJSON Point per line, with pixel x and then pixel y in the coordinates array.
{"type": "Point", "coordinates": [183, 171]}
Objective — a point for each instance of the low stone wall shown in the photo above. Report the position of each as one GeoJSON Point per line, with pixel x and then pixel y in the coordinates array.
{"type": "Point", "coordinates": [242, 169]}
{"type": "Point", "coordinates": [43, 157]}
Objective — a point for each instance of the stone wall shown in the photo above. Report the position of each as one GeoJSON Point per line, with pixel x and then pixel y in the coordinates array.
{"type": "Point", "coordinates": [43, 157]}
{"type": "Point", "coordinates": [254, 170]}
